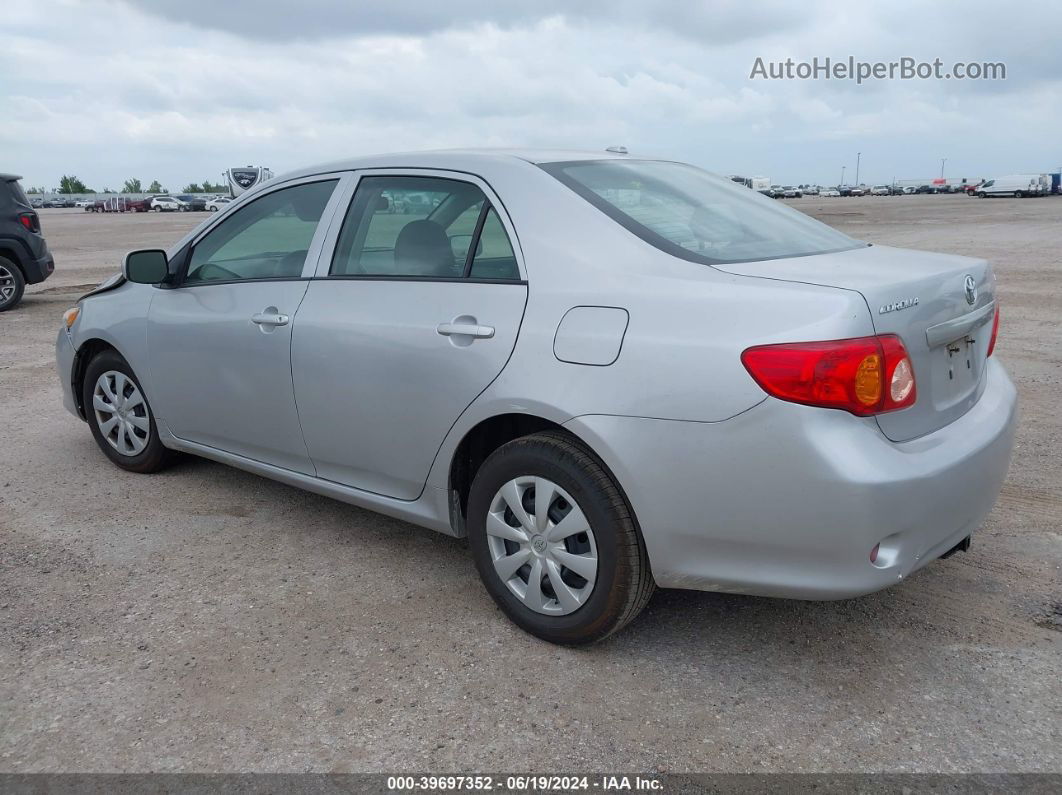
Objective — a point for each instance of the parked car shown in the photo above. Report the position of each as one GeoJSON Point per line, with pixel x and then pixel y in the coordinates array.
{"type": "Point", "coordinates": [1016, 185]}
{"type": "Point", "coordinates": [880, 190]}
{"type": "Point", "coordinates": [37, 202]}
{"type": "Point", "coordinates": [857, 190]}
{"type": "Point", "coordinates": [829, 192]}
{"type": "Point", "coordinates": [24, 255]}
{"type": "Point", "coordinates": [790, 192]}
{"type": "Point", "coordinates": [192, 203]}
{"type": "Point", "coordinates": [85, 204]}
{"type": "Point", "coordinates": [218, 203]}
{"type": "Point", "coordinates": [719, 393]}
{"type": "Point", "coordinates": [812, 190]}
{"type": "Point", "coordinates": [166, 204]}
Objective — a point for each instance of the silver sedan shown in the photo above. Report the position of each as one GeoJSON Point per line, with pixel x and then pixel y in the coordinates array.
{"type": "Point", "coordinates": [610, 374]}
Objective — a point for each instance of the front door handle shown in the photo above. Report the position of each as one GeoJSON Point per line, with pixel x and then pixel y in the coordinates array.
{"type": "Point", "coordinates": [270, 319]}
{"type": "Point", "coordinates": [465, 330]}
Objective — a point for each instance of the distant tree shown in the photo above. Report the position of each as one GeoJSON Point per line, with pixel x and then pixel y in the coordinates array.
{"type": "Point", "coordinates": [34, 190]}
{"type": "Point", "coordinates": [215, 187]}
{"type": "Point", "coordinates": [155, 187]}
{"type": "Point", "coordinates": [132, 186]}
{"type": "Point", "coordinates": [71, 184]}
{"type": "Point", "coordinates": [108, 190]}
{"type": "Point", "coordinates": [191, 187]}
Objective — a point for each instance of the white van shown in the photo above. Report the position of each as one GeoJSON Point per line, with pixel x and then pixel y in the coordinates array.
{"type": "Point", "coordinates": [1017, 185]}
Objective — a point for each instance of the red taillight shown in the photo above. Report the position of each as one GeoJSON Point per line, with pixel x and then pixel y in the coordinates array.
{"type": "Point", "coordinates": [995, 331]}
{"type": "Point", "coordinates": [866, 375]}
{"type": "Point", "coordinates": [30, 221]}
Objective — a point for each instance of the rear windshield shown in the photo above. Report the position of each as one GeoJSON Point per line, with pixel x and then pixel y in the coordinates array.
{"type": "Point", "coordinates": [695, 215]}
{"type": "Point", "coordinates": [17, 193]}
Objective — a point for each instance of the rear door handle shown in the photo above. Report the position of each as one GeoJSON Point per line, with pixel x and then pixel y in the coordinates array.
{"type": "Point", "coordinates": [270, 319]}
{"type": "Point", "coordinates": [465, 330]}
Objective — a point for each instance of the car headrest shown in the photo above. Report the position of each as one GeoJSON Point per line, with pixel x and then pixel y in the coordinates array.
{"type": "Point", "coordinates": [424, 249]}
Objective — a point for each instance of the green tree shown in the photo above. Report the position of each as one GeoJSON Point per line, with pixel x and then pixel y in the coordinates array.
{"type": "Point", "coordinates": [156, 187]}
{"type": "Point", "coordinates": [191, 187]}
{"type": "Point", "coordinates": [132, 186]}
{"type": "Point", "coordinates": [71, 184]}
{"type": "Point", "coordinates": [216, 187]}
{"type": "Point", "coordinates": [108, 190]}
{"type": "Point", "coordinates": [34, 190]}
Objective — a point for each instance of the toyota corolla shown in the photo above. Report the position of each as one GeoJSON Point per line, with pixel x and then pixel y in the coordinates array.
{"type": "Point", "coordinates": [610, 374]}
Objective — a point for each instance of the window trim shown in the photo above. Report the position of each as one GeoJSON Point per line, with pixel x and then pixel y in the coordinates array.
{"type": "Point", "coordinates": [324, 260]}
{"type": "Point", "coordinates": [313, 253]}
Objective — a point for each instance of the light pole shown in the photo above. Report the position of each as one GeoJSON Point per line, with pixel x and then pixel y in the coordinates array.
{"type": "Point", "coordinates": [842, 175]}
{"type": "Point", "coordinates": [858, 155]}
{"type": "Point", "coordinates": [943, 160]}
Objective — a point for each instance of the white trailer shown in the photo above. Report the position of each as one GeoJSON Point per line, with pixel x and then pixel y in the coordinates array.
{"type": "Point", "coordinates": [241, 179]}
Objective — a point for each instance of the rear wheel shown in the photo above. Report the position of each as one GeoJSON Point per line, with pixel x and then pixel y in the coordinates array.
{"type": "Point", "coordinates": [1018, 194]}
{"type": "Point", "coordinates": [555, 542]}
{"type": "Point", "coordinates": [120, 417]}
{"type": "Point", "coordinates": [12, 284]}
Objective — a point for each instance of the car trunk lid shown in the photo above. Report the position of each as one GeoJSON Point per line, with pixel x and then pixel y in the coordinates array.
{"type": "Point", "coordinates": [940, 305]}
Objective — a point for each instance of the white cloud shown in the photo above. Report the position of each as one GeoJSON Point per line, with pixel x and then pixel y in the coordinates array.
{"type": "Point", "coordinates": [107, 90]}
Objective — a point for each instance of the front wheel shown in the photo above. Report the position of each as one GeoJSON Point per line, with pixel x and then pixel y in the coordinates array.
{"type": "Point", "coordinates": [120, 416]}
{"type": "Point", "coordinates": [555, 542]}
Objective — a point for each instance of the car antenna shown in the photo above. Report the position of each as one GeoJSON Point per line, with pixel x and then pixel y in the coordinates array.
{"type": "Point", "coordinates": [619, 150]}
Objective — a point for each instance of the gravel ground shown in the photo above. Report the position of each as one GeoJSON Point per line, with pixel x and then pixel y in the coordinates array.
{"type": "Point", "coordinates": [206, 619]}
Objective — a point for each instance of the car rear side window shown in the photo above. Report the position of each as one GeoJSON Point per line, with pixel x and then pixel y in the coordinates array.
{"type": "Point", "coordinates": [422, 227]}
{"type": "Point", "coordinates": [265, 239]}
{"type": "Point", "coordinates": [695, 215]}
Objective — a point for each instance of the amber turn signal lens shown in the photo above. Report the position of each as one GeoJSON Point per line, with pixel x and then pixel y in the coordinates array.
{"type": "Point", "coordinates": [70, 315]}
{"type": "Point", "coordinates": [868, 380]}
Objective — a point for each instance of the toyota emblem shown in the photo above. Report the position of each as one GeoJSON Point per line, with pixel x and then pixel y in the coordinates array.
{"type": "Point", "coordinates": [970, 285]}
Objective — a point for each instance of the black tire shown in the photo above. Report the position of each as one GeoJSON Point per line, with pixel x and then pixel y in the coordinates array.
{"type": "Point", "coordinates": [157, 208]}
{"type": "Point", "coordinates": [11, 276]}
{"type": "Point", "coordinates": [154, 456]}
{"type": "Point", "coordinates": [624, 582]}
{"type": "Point", "coordinates": [982, 195]}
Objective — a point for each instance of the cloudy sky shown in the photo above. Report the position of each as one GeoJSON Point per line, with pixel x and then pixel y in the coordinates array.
{"type": "Point", "coordinates": [179, 91]}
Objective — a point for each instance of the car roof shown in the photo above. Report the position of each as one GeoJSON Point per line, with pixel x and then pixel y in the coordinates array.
{"type": "Point", "coordinates": [460, 159]}
{"type": "Point", "coordinates": [9, 177]}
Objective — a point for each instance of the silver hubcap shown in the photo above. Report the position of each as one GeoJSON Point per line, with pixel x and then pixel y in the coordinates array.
{"type": "Point", "coordinates": [542, 545]}
{"type": "Point", "coordinates": [7, 284]}
{"type": "Point", "coordinates": [121, 413]}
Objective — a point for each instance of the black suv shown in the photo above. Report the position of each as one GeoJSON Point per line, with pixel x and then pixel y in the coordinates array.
{"type": "Point", "coordinates": [24, 256]}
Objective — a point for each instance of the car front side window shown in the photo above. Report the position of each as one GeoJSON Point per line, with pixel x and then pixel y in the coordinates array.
{"type": "Point", "coordinates": [268, 238]}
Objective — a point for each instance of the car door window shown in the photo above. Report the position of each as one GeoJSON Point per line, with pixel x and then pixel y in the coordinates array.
{"type": "Point", "coordinates": [415, 227]}
{"type": "Point", "coordinates": [266, 239]}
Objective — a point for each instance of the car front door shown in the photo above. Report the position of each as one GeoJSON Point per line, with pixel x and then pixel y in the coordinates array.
{"type": "Point", "coordinates": [414, 314]}
{"type": "Point", "coordinates": [220, 340]}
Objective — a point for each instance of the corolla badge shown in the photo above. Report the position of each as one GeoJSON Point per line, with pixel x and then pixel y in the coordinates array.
{"type": "Point", "coordinates": [896, 306]}
{"type": "Point", "coordinates": [969, 284]}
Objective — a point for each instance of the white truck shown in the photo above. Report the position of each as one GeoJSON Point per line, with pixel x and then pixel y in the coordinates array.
{"type": "Point", "coordinates": [1016, 185]}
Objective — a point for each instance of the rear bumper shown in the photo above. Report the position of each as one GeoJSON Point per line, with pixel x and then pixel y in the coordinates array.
{"type": "Point", "coordinates": [787, 500]}
{"type": "Point", "coordinates": [39, 269]}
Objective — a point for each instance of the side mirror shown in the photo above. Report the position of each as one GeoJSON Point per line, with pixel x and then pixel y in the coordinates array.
{"type": "Point", "coordinates": [147, 266]}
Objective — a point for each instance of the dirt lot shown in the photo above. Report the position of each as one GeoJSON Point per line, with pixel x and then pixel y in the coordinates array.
{"type": "Point", "coordinates": [207, 619]}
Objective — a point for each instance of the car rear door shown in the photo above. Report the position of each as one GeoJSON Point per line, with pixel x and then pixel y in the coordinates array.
{"type": "Point", "coordinates": [220, 341]}
{"type": "Point", "coordinates": [413, 314]}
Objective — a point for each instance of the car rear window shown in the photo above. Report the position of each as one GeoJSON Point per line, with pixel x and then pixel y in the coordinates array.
{"type": "Point", "coordinates": [17, 193]}
{"type": "Point", "coordinates": [695, 215]}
